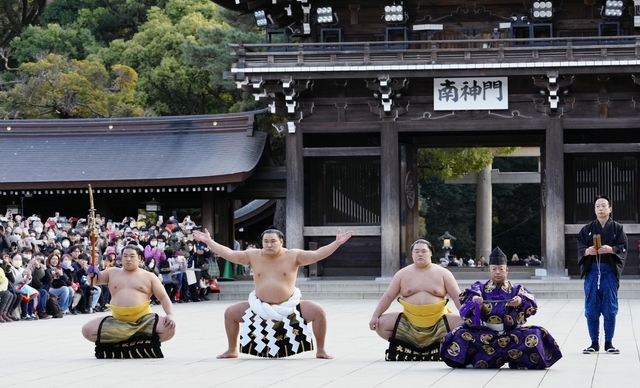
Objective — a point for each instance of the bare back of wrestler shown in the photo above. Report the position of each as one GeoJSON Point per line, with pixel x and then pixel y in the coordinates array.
{"type": "Point", "coordinates": [274, 273]}
{"type": "Point", "coordinates": [421, 283]}
{"type": "Point", "coordinates": [131, 286]}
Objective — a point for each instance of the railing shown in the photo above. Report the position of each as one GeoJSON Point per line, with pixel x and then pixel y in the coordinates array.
{"type": "Point", "coordinates": [438, 51]}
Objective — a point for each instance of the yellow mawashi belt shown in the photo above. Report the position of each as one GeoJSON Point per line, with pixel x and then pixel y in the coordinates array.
{"type": "Point", "coordinates": [130, 314]}
{"type": "Point", "coordinates": [424, 315]}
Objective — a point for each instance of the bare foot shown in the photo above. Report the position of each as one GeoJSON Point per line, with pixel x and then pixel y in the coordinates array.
{"type": "Point", "coordinates": [229, 354]}
{"type": "Point", "coordinates": [323, 354]}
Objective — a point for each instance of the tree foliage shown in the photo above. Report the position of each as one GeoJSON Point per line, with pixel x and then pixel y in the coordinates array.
{"type": "Point", "coordinates": [453, 163]}
{"type": "Point", "coordinates": [16, 15]}
{"type": "Point", "coordinates": [448, 207]}
{"type": "Point", "coordinates": [515, 212]}
{"type": "Point", "coordinates": [37, 42]}
{"type": "Point", "coordinates": [106, 19]}
{"type": "Point", "coordinates": [180, 54]}
{"type": "Point", "coordinates": [59, 88]}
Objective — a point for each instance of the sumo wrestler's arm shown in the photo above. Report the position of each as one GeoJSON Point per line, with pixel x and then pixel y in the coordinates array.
{"type": "Point", "coordinates": [451, 285]}
{"type": "Point", "coordinates": [310, 257]}
{"type": "Point", "coordinates": [389, 296]}
{"type": "Point", "coordinates": [159, 291]}
{"type": "Point", "coordinates": [236, 257]}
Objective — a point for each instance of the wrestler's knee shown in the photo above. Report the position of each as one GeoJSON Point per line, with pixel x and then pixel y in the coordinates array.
{"type": "Point", "coordinates": [166, 334]}
{"type": "Point", "coordinates": [236, 312]}
{"type": "Point", "coordinates": [90, 332]}
{"type": "Point", "coordinates": [312, 311]}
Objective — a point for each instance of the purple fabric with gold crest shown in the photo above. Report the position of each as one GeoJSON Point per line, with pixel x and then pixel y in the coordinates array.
{"type": "Point", "coordinates": [476, 344]}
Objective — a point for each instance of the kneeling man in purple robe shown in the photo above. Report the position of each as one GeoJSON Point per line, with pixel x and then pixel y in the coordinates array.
{"type": "Point", "coordinates": [494, 332]}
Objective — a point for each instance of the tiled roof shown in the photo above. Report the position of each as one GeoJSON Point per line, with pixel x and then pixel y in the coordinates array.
{"type": "Point", "coordinates": [129, 152]}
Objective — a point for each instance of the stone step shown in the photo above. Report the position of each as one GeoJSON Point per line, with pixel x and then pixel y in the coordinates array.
{"type": "Point", "coordinates": [374, 289]}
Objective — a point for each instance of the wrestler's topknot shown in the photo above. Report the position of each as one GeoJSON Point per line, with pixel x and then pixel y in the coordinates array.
{"type": "Point", "coordinates": [272, 229]}
{"type": "Point", "coordinates": [421, 241]}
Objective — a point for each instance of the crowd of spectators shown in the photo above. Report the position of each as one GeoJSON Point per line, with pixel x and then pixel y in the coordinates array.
{"type": "Point", "coordinates": [454, 261]}
{"type": "Point", "coordinates": [43, 263]}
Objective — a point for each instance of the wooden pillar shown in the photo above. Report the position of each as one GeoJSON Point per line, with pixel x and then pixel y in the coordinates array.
{"type": "Point", "coordinates": [208, 211]}
{"type": "Point", "coordinates": [295, 194]}
{"type": "Point", "coordinates": [409, 202]}
{"type": "Point", "coordinates": [553, 198]}
{"type": "Point", "coordinates": [390, 202]}
{"type": "Point", "coordinates": [484, 213]}
{"type": "Point", "coordinates": [223, 221]}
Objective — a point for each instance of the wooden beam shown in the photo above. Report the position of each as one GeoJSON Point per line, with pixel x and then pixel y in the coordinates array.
{"type": "Point", "coordinates": [340, 151]}
{"type": "Point", "coordinates": [334, 127]}
{"type": "Point", "coordinates": [322, 231]}
{"type": "Point", "coordinates": [499, 177]}
{"type": "Point", "coordinates": [595, 123]}
{"type": "Point", "coordinates": [477, 140]}
{"type": "Point", "coordinates": [601, 147]}
{"type": "Point", "coordinates": [628, 228]}
{"type": "Point", "coordinates": [453, 125]}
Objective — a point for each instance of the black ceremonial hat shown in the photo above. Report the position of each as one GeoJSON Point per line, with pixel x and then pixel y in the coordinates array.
{"type": "Point", "coordinates": [497, 257]}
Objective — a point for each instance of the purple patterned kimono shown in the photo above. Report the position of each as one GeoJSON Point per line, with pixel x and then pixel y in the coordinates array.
{"type": "Point", "coordinates": [494, 334]}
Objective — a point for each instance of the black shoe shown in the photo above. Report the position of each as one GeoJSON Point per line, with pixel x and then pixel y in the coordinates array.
{"type": "Point", "coordinates": [74, 312]}
{"type": "Point", "coordinates": [608, 347]}
{"type": "Point", "coordinates": [593, 349]}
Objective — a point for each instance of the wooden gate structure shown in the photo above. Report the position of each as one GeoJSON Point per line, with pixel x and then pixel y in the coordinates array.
{"type": "Point", "coordinates": [363, 84]}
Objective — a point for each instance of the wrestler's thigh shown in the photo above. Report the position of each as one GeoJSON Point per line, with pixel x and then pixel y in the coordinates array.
{"type": "Point", "coordinates": [236, 311]}
{"type": "Point", "coordinates": [311, 311]}
{"type": "Point", "coordinates": [90, 329]}
{"type": "Point", "coordinates": [387, 321]}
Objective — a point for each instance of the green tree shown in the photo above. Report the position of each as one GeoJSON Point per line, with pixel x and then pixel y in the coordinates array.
{"type": "Point", "coordinates": [106, 19]}
{"type": "Point", "coordinates": [15, 15]}
{"type": "Point", "coordinates": [59, 88]}
{"type": "Point", "coordinates": [447, 207]}
{"type": "Point", "coordinates": [36, 42]}
{"type": "Point", "coordinates": [515, 212]}
{"type": "Point", "coordinates": [453, 163]}
{"type": "Point", "coordinates": [179, 53]}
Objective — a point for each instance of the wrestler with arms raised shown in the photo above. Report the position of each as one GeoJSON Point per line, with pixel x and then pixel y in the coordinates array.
{"type": "Point", "coordinates": [274, 307]}
{"type": "Point", "coordinates": [133, 331]}
{"type": "Point", "coordinates": [415, 334]}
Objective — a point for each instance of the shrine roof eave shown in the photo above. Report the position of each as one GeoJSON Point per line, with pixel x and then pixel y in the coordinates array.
{"type": "Point", "coordinates": [189, 150]}
{"type": "Point", "coordinates": [310, 73]}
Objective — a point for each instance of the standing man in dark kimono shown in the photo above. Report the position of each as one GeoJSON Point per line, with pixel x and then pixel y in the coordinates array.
{"type": "Point", "coordinates": [602, 251]}
{"type": "Point", "coordinates": [494, 332]}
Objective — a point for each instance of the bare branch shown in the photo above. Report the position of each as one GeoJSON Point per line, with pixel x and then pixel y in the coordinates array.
{"type": "Point", "coordinates": [92, 110]}
{"type": "Point", "coordinates": [4, 55]}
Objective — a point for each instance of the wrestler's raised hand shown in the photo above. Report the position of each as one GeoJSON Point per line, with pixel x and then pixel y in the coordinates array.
{"type": "Point", "coordinates": [477, 299]}
{"type": "Point", "coordinates": [342, 238]}
{"type": "Point", "coordinates": [205, 237]}
{"type": "Point", "coordinates": [168, 321]}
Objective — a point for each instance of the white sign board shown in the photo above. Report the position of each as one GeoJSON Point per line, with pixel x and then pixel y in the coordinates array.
{"type": "Point", "coordinates": [475, 93]}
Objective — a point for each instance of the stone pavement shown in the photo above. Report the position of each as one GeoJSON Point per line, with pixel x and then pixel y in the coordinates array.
{"type": "Point", "coordinates": [53, 353]}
